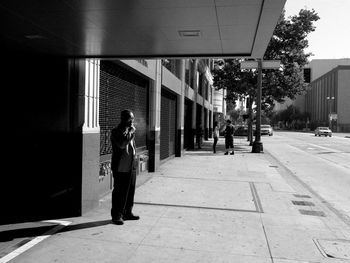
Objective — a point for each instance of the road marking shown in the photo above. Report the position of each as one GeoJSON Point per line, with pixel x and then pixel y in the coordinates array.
{"type": "Point", "coordinates": [324, 148]}
{"type": "Point", "coordinates": [36, 240]}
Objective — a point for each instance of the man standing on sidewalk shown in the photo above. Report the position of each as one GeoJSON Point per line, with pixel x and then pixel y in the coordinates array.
{"type": "Point", "coordinates": [229, 131]}
{"type": "Point", "coordinates": [123, 169]}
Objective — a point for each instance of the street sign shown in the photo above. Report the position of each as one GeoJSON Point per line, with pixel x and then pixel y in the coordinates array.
{"type": "Point", "coordinates": [249, 64]}
{"type": "Point", "coordinates": [266, 64]}
{"type": "Point", "coordinates": [271, 64]}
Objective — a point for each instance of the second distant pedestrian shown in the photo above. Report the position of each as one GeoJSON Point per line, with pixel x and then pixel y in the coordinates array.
{"type": "Point", "coordinates": [199, 136]}
{"type": "Point", "coordinates": [215, 135]}
{"type": "Point", "coordinates": [229, 131]}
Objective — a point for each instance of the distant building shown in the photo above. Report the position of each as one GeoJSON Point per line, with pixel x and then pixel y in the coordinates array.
{"type": "Point", "coordinates": [327, 100]}
{"type": "Point", "coordinates": [321, 66]}
{"type": "Point", "coordinates": [326, 75]}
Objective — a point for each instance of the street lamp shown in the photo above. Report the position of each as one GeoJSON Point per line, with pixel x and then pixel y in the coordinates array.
{"type": "Point", "coordinates": [330, 99]}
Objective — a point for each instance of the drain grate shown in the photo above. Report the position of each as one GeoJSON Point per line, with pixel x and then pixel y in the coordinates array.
{"type": "Point", "coordinates": [338, 248]}
{"type": "Point", "coordinates": [306, 203]}
{"type": "Point", "coordinates": [312, 213]}
{"type": "Point", "coordinates": [302, 196]}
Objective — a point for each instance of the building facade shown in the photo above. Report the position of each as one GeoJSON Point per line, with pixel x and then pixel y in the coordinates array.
{"type": "Point", "coordinates": [328, 79]}
{"type": "Point", "coordinates": [171, 99]}
{"type": "Point", "coordinates": [62, 134]}
{"type": "Point", "coordinates": [327, 100]}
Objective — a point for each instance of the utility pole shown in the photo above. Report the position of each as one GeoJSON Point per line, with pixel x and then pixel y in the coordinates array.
{"type": "Point", "coordinates": [259, 64]}
{"type": "Point", "coordinates": [257, 144]}
{"type": "Point", "coordinates": [330, 100]}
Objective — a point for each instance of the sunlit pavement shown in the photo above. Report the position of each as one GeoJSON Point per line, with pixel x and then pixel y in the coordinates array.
{"type": "Point", "coordinates": [207, 207]}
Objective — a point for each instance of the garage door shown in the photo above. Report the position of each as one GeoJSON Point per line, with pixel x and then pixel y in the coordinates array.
{"type": "Point", "coordinates": [167, 125]}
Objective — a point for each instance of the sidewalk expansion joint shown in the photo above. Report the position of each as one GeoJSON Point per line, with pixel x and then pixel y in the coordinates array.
{"type": "Point", "coordinates": [201, 179]}
{"type": "Point", "coordinates": [200, 207]}
{"type": "Point", "coordinates": [256, 198]}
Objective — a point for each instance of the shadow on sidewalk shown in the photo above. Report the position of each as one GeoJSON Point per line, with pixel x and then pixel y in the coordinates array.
{"type": "Point", "coordinates": [28, 232]}
{"type": "Point", "coordinates": [240, 146]}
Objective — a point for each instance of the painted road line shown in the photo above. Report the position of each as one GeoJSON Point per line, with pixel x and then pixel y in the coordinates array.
{"type": "Point", "coordinates": [30, 244]}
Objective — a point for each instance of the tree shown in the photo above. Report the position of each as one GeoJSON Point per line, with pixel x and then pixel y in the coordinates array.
{"type": "Point", "coordinates": [287, 44]}
{"type": "Point", "coordinates": [291, 118]}
{"type": "Point", "coordinates": [235, 114]}
{"type": "Point", "coordinates": [239, 85]}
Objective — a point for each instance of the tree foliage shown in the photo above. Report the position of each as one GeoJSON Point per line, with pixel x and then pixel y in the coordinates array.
{"type": "Point", "coordinates": [288, 45]}
{"type": "Point", "coordinates": [291, 118]}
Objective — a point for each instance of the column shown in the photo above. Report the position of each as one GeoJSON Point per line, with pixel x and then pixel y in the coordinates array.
{"type": "Point", "coordinates": [88, 97]}
{"type": "Point", "coordinates": [194, 85]}
{"type": "Point", "coordinates": [154, 121]}
{"type": "Point", "coordinates": [206, 131]}
{"type": "Point", "coordinates": [180, 112]}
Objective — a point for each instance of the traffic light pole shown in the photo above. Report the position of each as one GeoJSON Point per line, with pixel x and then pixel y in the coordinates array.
{"type": "Point", "coordinates": [257, 144]}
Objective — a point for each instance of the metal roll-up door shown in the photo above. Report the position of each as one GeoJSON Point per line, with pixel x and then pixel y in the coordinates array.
{"type": "Point", "coordinates": [167, 125]}
{"type": "Point", "coordinates": [121, 89]}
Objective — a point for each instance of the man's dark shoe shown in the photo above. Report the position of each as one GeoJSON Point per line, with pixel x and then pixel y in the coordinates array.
{"type": "Point", "coordinates": [226, 153]}
{"type": "Point", "coordinates": [232, 153]}
{"type": "Point", "coordinates": [117, 221]}
{"type": "Point", "coordinates": [130, 216]}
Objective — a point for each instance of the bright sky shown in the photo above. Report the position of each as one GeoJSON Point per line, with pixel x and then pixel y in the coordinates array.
{"type": "Point", "coordinates": [331, 39]}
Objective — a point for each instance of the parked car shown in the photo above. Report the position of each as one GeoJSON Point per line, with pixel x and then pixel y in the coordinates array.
{"type": "Point", "coordinates": [323, 131]}
{"type": "Point", "coordinates": [266, 130]}
{"type": "Point", "coordinates": [241, 130]}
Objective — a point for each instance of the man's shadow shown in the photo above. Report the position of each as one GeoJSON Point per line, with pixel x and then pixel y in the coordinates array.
{"type": "Point", "coordinates": [29, 232]}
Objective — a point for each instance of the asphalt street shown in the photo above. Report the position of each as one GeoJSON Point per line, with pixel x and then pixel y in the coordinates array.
{"type": "Point", "coordinates": [321, 163]}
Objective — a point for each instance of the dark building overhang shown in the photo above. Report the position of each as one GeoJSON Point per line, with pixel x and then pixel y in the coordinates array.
{"type": "Point", "coordinates": [139, 28]}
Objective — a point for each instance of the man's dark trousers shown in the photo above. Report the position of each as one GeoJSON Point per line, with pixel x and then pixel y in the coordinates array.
{"type": "Point", "coordinates": [123, 193]}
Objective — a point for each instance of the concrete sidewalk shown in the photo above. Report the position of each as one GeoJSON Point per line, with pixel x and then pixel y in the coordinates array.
{"type": "Point", "coordinates": [205, 207]}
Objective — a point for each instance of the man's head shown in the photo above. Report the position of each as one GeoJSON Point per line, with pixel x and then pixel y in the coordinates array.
{"type": "Point", "coordinates": [127, 117]}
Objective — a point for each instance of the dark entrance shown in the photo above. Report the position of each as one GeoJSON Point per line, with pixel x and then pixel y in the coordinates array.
{"type": "Point", "coordinates": [167, 124]}
{"type": "Point", "coordinates": [188, 136]}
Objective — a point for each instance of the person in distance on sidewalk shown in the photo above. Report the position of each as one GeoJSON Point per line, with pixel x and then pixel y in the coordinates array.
{"type": "Point", "coordinates": [123, 169]}
{"type": "Point", "coordinates": [199, 136]}
{"type": "Point", "coordinates": [229, 131]}
{"type": "Point", "coordinates": [215, 135]}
